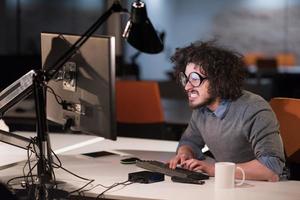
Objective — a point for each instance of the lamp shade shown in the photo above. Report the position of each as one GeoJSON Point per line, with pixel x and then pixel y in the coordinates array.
{"type": "Point", "coordinates": [140, 32]}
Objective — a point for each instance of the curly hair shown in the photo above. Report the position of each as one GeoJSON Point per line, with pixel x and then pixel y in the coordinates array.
{"type": "Point", "coordinates": [223, 67]}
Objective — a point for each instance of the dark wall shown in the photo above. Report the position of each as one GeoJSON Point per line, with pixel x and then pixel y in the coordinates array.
{"type": "Point", "coordinates": [22, 22]}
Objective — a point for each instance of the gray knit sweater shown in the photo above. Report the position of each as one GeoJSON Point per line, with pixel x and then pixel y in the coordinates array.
{"type": "Point", "coordinates": [247, 129]}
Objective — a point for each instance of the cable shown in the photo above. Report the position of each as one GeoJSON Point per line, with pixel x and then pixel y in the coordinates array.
{"type": "Point", "coordinates": [27, 162]}
{"type": "Point", "coordinates": [65, 104]}
{"type": "Point", "coordinates": [79, 190]}
{"type": "Point", "coordinates": [82, 191]}
{"type": "Point", "coordinates": [58, 98]}
{"type": "Point", "coordinates": [60, 166]}
{"type": "Point", "coordinates": [125, 183]}
{"type": "Point", "coordinates": [14, 178]}
{"type": "Point", "coordinates": [56, 165]}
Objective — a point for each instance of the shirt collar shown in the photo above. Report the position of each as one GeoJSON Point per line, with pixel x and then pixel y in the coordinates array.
{"type": "Point", "coordinates": [221, 110]}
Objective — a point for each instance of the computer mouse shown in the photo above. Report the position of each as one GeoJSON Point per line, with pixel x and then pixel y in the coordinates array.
{"type": "Point", "coordinates": [130, 160]}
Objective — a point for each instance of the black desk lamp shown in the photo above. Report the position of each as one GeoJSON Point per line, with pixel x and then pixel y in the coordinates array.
{"type": "Point", "coordinates": [139, 33]}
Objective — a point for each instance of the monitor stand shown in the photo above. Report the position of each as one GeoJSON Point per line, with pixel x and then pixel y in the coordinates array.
{"type": "Point", "coordinates": [43, 186]}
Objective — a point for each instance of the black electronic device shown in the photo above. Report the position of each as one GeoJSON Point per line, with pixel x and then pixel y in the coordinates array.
{"type": "Point", "coordinates": [157, 166]}
{"type": "Point", "coordinates": [130, 160]}
{"type": "Point", "coordinates": [99, 154]}
{"type": "Point", "coordinates": [187, 180]}
{"type": "Point", "coordinates": [145, 177]}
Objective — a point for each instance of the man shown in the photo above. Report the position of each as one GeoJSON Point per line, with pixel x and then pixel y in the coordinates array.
{"type": "Point", "coordinates": [236, 125]}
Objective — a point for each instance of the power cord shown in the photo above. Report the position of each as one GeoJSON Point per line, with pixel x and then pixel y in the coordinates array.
{"type": "Point", "coordinates": [52, 165]}
{"type": "Point", "coordinates": [58, 98]}
{"type": "Point", "coordinates": [27, 183]}
{"type": "Point", "coordinates": [125, 183]}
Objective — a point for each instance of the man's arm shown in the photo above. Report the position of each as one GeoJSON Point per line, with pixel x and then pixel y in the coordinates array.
{"type": "Point", "coordinates": [190, 144]}
{"type": "Point", "coordinates": [262, 131]}
{"type": "Point", "coordinates": [254, 170]}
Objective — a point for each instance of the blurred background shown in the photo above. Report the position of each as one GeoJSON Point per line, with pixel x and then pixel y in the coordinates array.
{"type": "Point", "coordinates": [265, 32]}
{"type": "Point", "coordinates": [266, 28]}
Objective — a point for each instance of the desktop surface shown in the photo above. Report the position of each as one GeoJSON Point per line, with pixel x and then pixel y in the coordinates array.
{"type": "Point", "coordinates": [108, 169]}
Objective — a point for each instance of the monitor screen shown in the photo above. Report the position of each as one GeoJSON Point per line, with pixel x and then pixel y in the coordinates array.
{"type": "Point", "coordinates": [84, 99]}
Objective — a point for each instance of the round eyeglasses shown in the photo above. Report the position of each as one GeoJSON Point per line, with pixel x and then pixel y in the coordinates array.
{"type": "Point", "coordinates": [194, 78]}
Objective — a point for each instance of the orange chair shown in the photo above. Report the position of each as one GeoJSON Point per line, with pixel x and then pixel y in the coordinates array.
{"type": "Point", "coordinates": [287, 111]}
{"type": "Point", "coordinates": [251, 58]}
{"type": "Point", "coordinates": [286, 59]}
{"type": "Point", "coordinates": [139, 109]}
{"type": "Point", "coordinates": [138, 102]}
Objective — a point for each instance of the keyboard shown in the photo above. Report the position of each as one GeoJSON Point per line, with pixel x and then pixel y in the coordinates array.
{"type": "Point", "coordinates": [157, 166]}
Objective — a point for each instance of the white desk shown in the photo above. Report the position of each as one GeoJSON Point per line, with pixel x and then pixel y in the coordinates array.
{"type": "Point", "coordinates": [108, 170]}
{"type": "Point", "coordinates": [72, 144]}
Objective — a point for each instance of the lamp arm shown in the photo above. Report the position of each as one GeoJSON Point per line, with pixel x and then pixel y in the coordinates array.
{"type": "Point", "coordinates": [15, 140]}
{"type": "Point", "coordinates": [115, 8]}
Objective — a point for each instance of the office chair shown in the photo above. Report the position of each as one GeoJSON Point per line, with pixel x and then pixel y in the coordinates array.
{"type": "Point", "coordinates": [286, 59]}
{"type": "Point", "coordinates": [287, 111]}
{"type": "Point", "coordinates": [262, 81]}
{"type": "Point", "coordinates": [250, 58]}
{"type": "Point", "coordinates": [139, 110]}
{"type": "Point", "coordinates": [266, 66]}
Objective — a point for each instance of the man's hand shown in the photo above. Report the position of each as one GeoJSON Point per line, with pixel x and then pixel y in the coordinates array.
{"type": "Point", "coordinates": [196, 165]}
{"type": "Point", "coordinates": [179, 159]}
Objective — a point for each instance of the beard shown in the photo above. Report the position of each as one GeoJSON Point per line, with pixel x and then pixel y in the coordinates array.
{"type": "Point", "coordinates": [205, 102]}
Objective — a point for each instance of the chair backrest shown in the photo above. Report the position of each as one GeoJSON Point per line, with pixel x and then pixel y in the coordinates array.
{"type": "Point", "coordinates": [138, 102]}
{"type": "Point", "coordinates": [287, 111]}
{"type": "Point", "coordinates": [286, 59]}
{"type": "Point", "coordinates": [266, 63]}
{"type": "Point", "coordinates": [250, 58]}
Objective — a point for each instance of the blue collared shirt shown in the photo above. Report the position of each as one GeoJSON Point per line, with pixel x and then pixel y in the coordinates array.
{"type": "Point", "coordinates": [222, 109]}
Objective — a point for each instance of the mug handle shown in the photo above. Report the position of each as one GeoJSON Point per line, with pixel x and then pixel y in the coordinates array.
{"type": "Point", "coordinates": [243, 178]}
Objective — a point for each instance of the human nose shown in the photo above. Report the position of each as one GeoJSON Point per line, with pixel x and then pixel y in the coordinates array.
{"type": "Point", "coordinates": [188, 86]}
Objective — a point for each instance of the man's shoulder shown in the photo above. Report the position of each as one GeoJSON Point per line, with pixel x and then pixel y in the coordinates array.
{"type": "Point", "coordinates": [250, 98]}
{"type": "Point", "coordinates": [251, 101]}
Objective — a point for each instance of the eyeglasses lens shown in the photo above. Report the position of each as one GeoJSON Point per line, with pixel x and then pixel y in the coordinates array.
{"type": "Point", "coordinates": [182, 79]}
{"type": "Point", "coordinates": [194, 79]}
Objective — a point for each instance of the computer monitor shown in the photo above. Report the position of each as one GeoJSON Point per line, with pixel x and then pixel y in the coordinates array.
{"type": "Point", "coordinates": [84, 99]}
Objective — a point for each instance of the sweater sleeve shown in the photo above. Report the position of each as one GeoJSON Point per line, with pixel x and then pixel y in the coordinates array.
{"type": "Point", "coordinates": [262, 131]}
{"type": "Point", "coordinates": [192, 138]}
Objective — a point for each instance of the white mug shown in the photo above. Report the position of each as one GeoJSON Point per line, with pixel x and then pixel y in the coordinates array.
{"type": "Point", "coordinates": [225, 175]}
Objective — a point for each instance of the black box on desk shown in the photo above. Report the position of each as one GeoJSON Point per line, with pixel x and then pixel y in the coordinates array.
{"type": "Point", "coordinates": [146, 177]}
